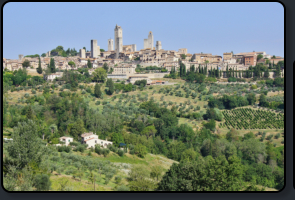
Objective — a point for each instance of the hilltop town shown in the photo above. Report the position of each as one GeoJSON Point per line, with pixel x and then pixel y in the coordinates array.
{"type": "Point", "coordinates": [123, 60]}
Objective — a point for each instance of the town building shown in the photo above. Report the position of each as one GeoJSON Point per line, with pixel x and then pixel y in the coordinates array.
{"type": "Point", "coordinates": [66, 140]}
{"type": "Point", "coordinates": [92, 139]}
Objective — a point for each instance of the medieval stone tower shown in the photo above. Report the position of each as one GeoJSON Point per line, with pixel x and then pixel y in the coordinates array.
{"type": "Point", "coordinates": [110, 45]}
{"type": "Point", "coordinates": [151, 40]}
{"type": "Point", "coordinates": [158, 45]}
{"type": "Point", "coordinates": [94, 52]}
{"type": "Point", "coordinates": [149, 43]}
{"type": "Point", "coordinates": [118, 40]}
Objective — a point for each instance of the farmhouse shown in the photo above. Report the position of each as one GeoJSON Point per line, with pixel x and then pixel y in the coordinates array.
{"type": "Point", "coordinates": [92, 139]}
{"type": "Point", "coordinates": [66, 140]}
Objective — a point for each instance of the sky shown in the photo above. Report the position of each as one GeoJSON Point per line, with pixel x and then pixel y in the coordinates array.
{"type": "Point", "coordinates": [35, 28]}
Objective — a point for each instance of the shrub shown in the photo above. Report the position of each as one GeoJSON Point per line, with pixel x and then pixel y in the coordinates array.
{"type": "Point", "coordinates": [120, 152]}
{"type": "Point", "coordinates": [105, 152]}
{"type": "Point", "coordinates": [97, 103]}
{"type": "Point", "coordinates": [253, 87]}
{"type": "Point", "coordinates": [64, 148]}
{"type": "Point", "coordinates": [74, 144]}
{"type": "Point", "coordinates": [132, 152]}
{"type": "Point", "coordinates": [42, 182]}
{"type": "Point", "coordinates": [98, 150]}
{"type": "Point", "coordinates": [278, 135]}
{"type": "Point", "coordinates": [80, 148]}
{"type": "Point", "coordinates": [269, 137]}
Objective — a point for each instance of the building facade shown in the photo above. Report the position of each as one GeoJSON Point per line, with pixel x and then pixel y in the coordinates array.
{"type": "Point", "coordinates": [92, 139]}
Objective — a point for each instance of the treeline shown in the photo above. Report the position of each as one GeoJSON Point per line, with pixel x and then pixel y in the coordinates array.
{"type": "Point", "coordinates": [59, 51]}
{"type": "Point", "coordinates": [195, 73]}
{"type": "Point", "coordinates": [149, 68]}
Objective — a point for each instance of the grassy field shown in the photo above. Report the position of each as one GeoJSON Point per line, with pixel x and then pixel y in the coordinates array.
{"type": "Point", "coordinates": [75, 184]}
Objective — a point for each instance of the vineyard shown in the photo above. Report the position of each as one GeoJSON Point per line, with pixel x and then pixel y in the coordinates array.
{"type": "Point", "coordinates": [247, 118]}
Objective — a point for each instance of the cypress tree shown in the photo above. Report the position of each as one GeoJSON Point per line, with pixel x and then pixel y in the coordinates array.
{"type": "Point", "coordinates": [227, 71]}
{"type": "Point", "coordinates": [39, 69]}
{"type": "Point", "coordinates": [211, 73]}
{"type": "Point", "coordinates": [29, 113]}
{"type": "Point", "coordinates": [240, 74]}
{"type": "Point", "coordinates": [199, 68]}
{"type": "Point", "coordinates": [97, 91]}
{"type": "Point", "coordinates": [278, 71]}
{"type": "Point", "coordinates": [266, 73]}
{"type": "Point", "coordinates": [206, 70]}
{"type": "Point", "coordinates": [89, 64]}
{"type": "Point", "coordinates": [184, 70]}
{"type": "Point", "coordinates": [269, 65]}
{"type": "Point", "coordinates": [111, 87]}
{"type": "Point", "coordinates": [192, 69]}
{"type": "Point", "coordinates": [217, 72]}
{"type": "Point", "coordinates": [202, 70]}
{"type": "Point", "coordinates": [52, 66]}
{"type": "Point", "coordinates": [180, 70]}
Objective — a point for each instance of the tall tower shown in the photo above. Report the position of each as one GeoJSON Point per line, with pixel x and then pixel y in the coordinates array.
{"type": "Point", "coordinates": [158, 45]}
{"type": "Point", "coordinates": [118, 40]}
{"type": "Point", "coordinates": [145, 43]}
{"type": "Point", "coordinates": [151, 40]}
{"type": "Point", "coordinates": [110, 45]}
{"type": "Point", "coordinates": [20, 57]}
{"type": "Point", "coordinates": [94, 49]}
{"type": "Point", "coordinates": [82, 53]}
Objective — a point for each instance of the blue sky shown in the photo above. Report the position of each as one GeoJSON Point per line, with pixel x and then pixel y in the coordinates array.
{"type": "Point", "coordinates": [35, 28]}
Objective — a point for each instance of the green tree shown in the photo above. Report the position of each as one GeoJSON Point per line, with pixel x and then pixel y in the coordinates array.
{"type": "Point", "coordinates": [210, 125]}
{"type": "Point", "coordinates": [43, 54]}
{"type": "Point", "coordinates": [139, 179]}
{"type": "Point", "coordinates": [92, 178]}
{"type": "Point", "coordinates": [232, 135]}
{"type": "Point", "coordinates": [266, 73]}
{"type": "Point", "coordinates": [72, 63]}
{"type": "Point", "coordinates": [99, 74]}
{"type": "Point", "coordinates": [140, 150]}
{"type": "Point", "coordinates": [42, 182]}
{"type": "Point", "coordinates": [106, 67]}
{"type": "Point", "coordinates": [97, 91]}
{"type": "Point", "coordinates": [278, 71]}
{"type": "Point", "coordinates": [259, 57]}
{"type": "Point", "coordinates": [189, 155]}
{"type": "Point", "coordinates": [251, 98]}
{"type": "Point", "coordinates": [39, 69]}
{"type": "Point", "coordinates": [26, 146]}
{"type": "Point", "coordinates": [76, 129]}
{"type": "Point", "coordinates": [89, 65]}
{"type": "Point", "coordinates": [52, 66]}
{"type": "Point", "coordinates": [111, 88]}
{"type": "Point", "coordinates": [211, 174]}
{"type": "Point", "coordinates": [149, 131]}
{"type": "Point", "coordinates": [156, 171]}
{"type": "Point", "coordinates": [262, 101]}
{"type": "Point", "coordinates": [26, 64]}
{"type": "Point", "coordinates": [29, 113]}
